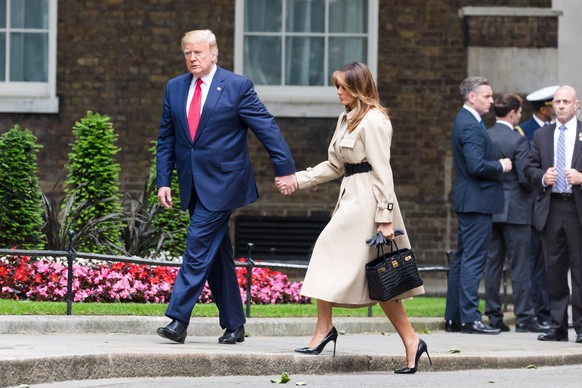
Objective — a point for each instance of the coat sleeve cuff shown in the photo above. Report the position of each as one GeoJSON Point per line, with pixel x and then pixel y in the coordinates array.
{"type": "Point", "coordinates": [306, 179]}
{"type": "Point", "coordinates": [384, 213]}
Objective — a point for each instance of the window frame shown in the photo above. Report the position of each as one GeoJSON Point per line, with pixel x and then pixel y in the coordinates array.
{"type": "Point", "coordinates": [303, 101]}
{"type": "Point", "coordinates": [34, 97]}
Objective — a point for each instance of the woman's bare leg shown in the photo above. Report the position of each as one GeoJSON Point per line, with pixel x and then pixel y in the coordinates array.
{"type": "Point", "coordinates": [396, 313]}
{"type": "Point", "coordinates": [324, 322]}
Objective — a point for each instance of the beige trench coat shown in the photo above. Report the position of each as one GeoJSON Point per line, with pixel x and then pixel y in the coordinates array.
{"type": "Point", "coordinates": [336, 270]}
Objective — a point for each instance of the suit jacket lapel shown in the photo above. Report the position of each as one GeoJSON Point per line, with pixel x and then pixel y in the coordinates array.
{"type": "Point", "coordinates": [577, 144]}
{"type": "Point", "coordinates": [183, 114]}
{"type": "Point", "coordinates": [214, 93]}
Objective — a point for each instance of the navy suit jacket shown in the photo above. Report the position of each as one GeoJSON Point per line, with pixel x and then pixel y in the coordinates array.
{"type": "Point", "coordinates": [478, 174]}
{"type": "Point", "coordinates": [516, 187]}
{"type": "Point", "coordinates": [528, 127]}
{"type": "Point", "coordinates": [541, 157]}
{"type": "Point", "coordinates": [217, 163]}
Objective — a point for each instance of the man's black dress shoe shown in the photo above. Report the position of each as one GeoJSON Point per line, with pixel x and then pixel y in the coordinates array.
{"type": "Point", "coordinates": [579, 338]}
{"type": "Point", "coordinates": [478, 327]}
{"type": "Point", "coordinates": [232, 337]}
{"type": "Point", "coordinates": [553, 335]}
{"type": "Point", "coordinates": [499, 325]}
{"type": "Point", "coordinates": [175, 331]}
{"type": "Point", "coordinates": [532, 326]}
{"type": "Point", "coordinates": [452, 326]}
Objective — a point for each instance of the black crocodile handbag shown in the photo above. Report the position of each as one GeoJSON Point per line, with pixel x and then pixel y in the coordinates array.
{"type": "Point", "coordinates": [392, 273]}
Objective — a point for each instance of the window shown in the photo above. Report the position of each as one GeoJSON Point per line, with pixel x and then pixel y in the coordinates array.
{"type": "Point", "coordinates": [28, 56]}
{"type": "Point", "coordinates": [290, 48]}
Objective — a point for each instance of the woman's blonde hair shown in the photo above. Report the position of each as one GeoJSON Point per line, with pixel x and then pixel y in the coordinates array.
{"type": "Point", "coordinates": [359, 83]}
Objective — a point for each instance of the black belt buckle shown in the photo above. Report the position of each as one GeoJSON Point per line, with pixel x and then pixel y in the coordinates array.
{"type": "Point", "coordinates": [563, 196]}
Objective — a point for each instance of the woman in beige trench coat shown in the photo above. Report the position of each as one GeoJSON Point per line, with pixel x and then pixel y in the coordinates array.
{"type": "Point", "coordinates": [360, 152]}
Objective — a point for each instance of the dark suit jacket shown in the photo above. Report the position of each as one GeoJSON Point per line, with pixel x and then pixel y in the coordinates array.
{"type": "Point", "coordinates": [516, 187]}
{"type": "Point", "coordinates": [528, 127]}
{"type": "Point", "coordinates": [217, 163]}
{"type": "Point", "coordinates": [478, 174]}
{"type": "Point", "coordinates": [541, 157]}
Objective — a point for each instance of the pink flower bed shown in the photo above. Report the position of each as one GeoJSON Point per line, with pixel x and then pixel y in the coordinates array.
{"type": "Point", "coordinates": [46, 280]}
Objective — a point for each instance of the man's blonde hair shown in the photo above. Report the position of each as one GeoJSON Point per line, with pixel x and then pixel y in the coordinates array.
{"type": "Point", "coordinates": [201, 35]}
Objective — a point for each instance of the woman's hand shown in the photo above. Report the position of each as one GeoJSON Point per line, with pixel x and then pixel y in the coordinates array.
{"type": "Point", "coordinates": [387, 230]}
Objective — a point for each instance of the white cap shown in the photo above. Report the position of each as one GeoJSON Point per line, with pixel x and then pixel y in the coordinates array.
{"type": "Point", "coordinates": [544, 94]}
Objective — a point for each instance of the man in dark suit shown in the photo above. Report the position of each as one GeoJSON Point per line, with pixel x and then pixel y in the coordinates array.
{"type": "Point", "coordinates": [512, 226]}
{"type": "Point", "coordinates": [477, 194]}
{"type": "Point", "coordinates": [205, 119]}
{"type": "Point", "coordinates": [543, 114]}
{"type": "Point", "coordinates": [553, 167]}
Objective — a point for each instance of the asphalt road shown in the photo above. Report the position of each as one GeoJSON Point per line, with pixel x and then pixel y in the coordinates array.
{"type": "Point", "coordinates": [562, 377]}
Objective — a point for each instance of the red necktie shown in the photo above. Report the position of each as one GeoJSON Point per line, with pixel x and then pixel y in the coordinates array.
{"type": "Point", "coordinates": [194, 110]}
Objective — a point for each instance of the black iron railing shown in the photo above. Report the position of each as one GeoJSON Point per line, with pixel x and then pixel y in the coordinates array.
{"type": "Point", "coordinates": [71, 255]}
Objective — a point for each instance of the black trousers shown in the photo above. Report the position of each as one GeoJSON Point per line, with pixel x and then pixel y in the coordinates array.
{"type": "Point", "coordinates": [562, 248]}
{"type": "Point", "coordinates": [510, 241]}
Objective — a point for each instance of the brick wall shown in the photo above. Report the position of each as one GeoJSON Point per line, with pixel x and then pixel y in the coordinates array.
{"type": "Point", "coordinates": [115, 57]}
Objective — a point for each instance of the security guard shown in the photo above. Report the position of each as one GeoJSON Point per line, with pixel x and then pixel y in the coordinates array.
{"type": "Point", "coordinates": [543, 115]}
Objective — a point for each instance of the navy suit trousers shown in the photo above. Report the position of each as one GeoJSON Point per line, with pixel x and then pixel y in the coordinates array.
{"type": "Point", "coordinates": [467, 266]}
{"type": "Point", "coordinates": [208, 257]}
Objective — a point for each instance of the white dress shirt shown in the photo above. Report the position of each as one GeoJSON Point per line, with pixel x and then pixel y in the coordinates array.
{"type": "Point", "coordinates": [570, 141]}
{"type": "Point", "coordinates": [204, 86]}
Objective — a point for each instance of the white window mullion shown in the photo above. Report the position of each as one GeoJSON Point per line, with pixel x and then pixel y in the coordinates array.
{"type": "Point", "coordinates": [373, 11]}
{"type": "Point", "coordinates": [283, 42]}
{"type": "Point", "coordinates": [8, 32]}
{"type": "Point", "coordinates": [326, 44]}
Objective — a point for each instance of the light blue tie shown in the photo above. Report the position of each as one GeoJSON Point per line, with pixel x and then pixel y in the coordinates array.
{"type": "Point", "coordinates": [561, 184]}
{"type": "Point", "coordinates": [482, 124]}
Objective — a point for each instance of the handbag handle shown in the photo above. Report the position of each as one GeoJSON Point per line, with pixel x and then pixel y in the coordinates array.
{"type": "Point", "coordinates": [378, 240]}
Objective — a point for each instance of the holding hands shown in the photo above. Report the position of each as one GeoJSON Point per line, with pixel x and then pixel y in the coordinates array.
{"type": "Point", "coordinates": [286, 184]}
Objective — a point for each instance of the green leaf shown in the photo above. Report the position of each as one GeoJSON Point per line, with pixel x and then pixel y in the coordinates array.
{"type": "Point", "coordinates": [284, 379]}
{"type": "Point", "coordinates": [454, 350]}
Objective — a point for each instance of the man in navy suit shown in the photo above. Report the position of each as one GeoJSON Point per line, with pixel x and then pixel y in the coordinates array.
{"type": "Point", "coordinates": [477, 194]}
{"type": "Point", "coordinates": [554, 168]}
{"type": "Point", "coordinates": [511, 235]}
{"type": "Point", "coordinates": [205, 119]}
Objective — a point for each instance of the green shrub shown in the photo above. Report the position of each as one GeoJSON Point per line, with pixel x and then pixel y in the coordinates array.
{"type": "Point", "coordinates": [61, 225]}
{"type": "Point", "coordinates": [20, 195]}
{"type": "Point", "coordinates": [93, 175]}
{"type": "Point", "coordinates": [172, 221]}
{"type": "Point", "coordinates": [139, 235]}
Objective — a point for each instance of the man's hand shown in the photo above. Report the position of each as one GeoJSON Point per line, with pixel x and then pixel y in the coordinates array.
{"type": "Point", "coordinates": [165, 197]}
{"type": "Point", "coordinates": [506, 163]}
{"type": "Point", "coordinates": [286, 184]}
{"type": "Point", "coordinates": [551, 176]}
{"type": "Point", "coordinates": [573, 176]}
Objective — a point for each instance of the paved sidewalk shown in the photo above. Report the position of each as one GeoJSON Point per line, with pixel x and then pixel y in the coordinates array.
{"type": "Point", "coordinates": [37, 349]}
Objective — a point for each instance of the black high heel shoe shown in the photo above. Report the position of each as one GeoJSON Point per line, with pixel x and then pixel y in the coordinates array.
{"type": "Point", "coordinates": [331, 336]}
{"type": "Point", "coordinates": [422, 348]}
